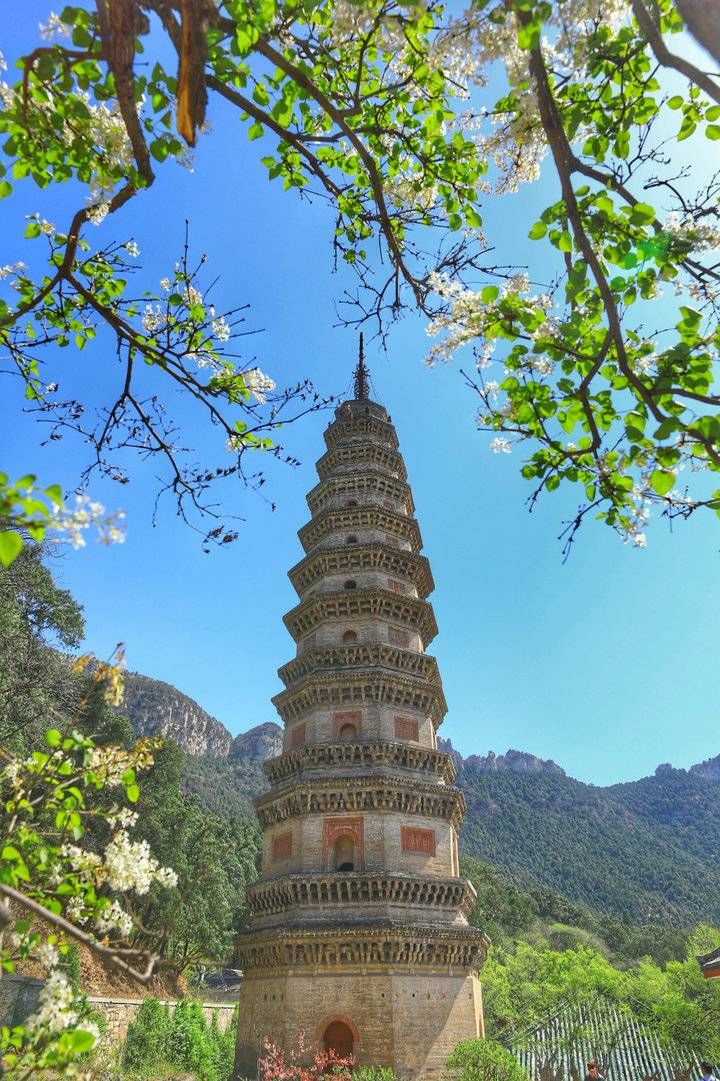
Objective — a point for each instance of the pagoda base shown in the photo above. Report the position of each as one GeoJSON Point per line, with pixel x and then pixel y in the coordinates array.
{"type": "Point", "coordinates": [410, 1020]}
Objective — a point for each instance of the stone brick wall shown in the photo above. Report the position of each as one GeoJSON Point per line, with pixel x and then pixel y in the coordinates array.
{"type": "Point", "coordinates": [410, 1020]}
{"type": "Point", "coordinates": [377, 722]}
{"type": "Point", "coordinates": [119, 1012]}
{"type": "Point", "coordinates": [382, 843]}
{"type": "Point", "coordinates": [18, 996]}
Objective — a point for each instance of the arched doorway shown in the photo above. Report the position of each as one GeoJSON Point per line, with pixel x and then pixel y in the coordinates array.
{"type": "Point", "coordinates": [347, 732]}
{"type": "Point", "coordinates": [338, 1037]}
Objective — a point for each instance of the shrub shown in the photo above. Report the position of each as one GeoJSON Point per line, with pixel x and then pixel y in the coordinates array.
{"type": "Point", "coordinates": [301, 1063]}
{"type": "Point", "coordinates": [485, 1060]}
{"type": "Point", "coordinates": [374, 1073]}
{"type": "Point", "coordinates": [161, 1042]}
{"type": "Point", "coordinates": [148, 1038]}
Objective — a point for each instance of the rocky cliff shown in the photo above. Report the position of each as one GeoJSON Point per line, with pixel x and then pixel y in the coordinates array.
{"type": "Point", "coordinates": [155, 708]}
{"type": "Point", "coordinates": [258, 743]}
{"type": "Point", "coordinates": [709, 769]}
{"type": "Point", "coordinates": [516, 761]}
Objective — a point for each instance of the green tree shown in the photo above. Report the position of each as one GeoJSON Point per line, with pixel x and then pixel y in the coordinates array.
{"type": "Point", "coordinates": [604, 385]}
{"type": "Point", "coordinates": [147, 1044]}
{"type": "Point", "coordinates": [213, 857]}
{"type": "Point", "coordinates": [484, 1060]}
{"type": "Point", "coordinates": [352, 105]}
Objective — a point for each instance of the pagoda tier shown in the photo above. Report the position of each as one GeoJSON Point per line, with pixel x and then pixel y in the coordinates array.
{"type": "Point", "coordinates": [360, 933]}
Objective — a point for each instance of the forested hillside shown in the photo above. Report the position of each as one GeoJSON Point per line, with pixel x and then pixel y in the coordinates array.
{"type": "Point", "coordinates": [608, 848]}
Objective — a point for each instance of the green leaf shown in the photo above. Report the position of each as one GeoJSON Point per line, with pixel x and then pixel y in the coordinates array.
{"type": "Point", "coordinates": [10, 546]}
{"type": "Point", "coordinates": [32, 230]}
{"type": "Point", "coordinates": [529, 35]}
{"type": "Point", "coordinates": [712, 131]}
{"type": "Point", "coordinates": [642, 213]}
{"type": "Point", "coordinates": [472, 218]}
{"type": "Point", "coordinates": [53, 737]}
{"type": "Point", "coordinates": [662, 481]}
{"type": "Point", "coordinates": [255, 131]}
{"type": "Point", "coordinates": [538, 230]}
{"type": "Point", "coordinates": [5, 189]}
{"type": "Point", "coordinates": [565, 241]}
{"type": "Point", "coordinates": [132, 792]}
{"type": "Point", "coordinates": [489, 294]}
{"type": "Point", "coordinates": [675, 102]}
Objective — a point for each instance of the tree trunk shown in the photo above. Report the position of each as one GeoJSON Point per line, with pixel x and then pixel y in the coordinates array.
{"type": "Point", "coordinates": [702, 18]}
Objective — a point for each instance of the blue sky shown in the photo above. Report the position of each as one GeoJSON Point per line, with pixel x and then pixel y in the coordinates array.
{"type": "Point", "coordinates": [606, 663]}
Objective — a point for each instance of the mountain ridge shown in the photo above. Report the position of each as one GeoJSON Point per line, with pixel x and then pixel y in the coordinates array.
{"type": "Point", "coordinates": [648, 850]}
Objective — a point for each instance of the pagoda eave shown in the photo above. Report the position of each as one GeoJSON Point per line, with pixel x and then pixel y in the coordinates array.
{"type": "Point", "coordinates": [333, 660]}
{"type": "Point", "coordinates": [354, 794]}
{"type": "Point", "coordinates": [384, 754]}
{"type": "Point", "coordinates": [362, 604]}
{"type": "Point", "coordinates": [345, 690]}
{"type": "Point", "coordinates": [421, 946]}
{"type": "Point", "coordinates": [351, 519]}
{"type": "Point", "coordinates": [352, 559]}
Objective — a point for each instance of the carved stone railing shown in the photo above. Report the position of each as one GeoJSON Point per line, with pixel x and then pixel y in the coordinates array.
{"type": "Point", "coordinates": [352, 794]}
{"type": "Point", "coordinates": [355, 689]}
{"type": "Point", "coordinates": [293, 891]}
{"type": "Point", "coordinates": [464, 948]}
{"type": "Point", "coordinates": [376, 754]}
{"type": "Point", "coordinates": [358, 655]}
{"type": "Point", "coordinates": [358, 604]}
{"type": "Point", "coordinates": [351, 559]}
{"type": "Point", "coordinates": [353, 459]}
{"type": "Point", "coordinates": [352, 519]}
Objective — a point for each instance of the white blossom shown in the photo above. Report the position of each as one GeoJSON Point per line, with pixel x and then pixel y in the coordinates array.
{"type": "Point", "coordinates": [85, 514]}
{"type": "Point", "coordinates": [11, 268]}
{"type": "Point", "coordinates": [54, 28]}
{"type": "Point", "coordinates": [221, 329]}
{"type": "Point", "coordinates": [500, 445]}
{"type": "Point", "coordinates": [47, 955]}
{"type": "Point", "coordinates": [98, 212]}
{"type": "Point", "coordinates": [129, 865]}
{"type": "Point", "coordinates": [55, 1006]}
{"type": "Point", "coordinates": [114, 918]}
{"type": "Point", "coordinates": [258, 383]}
{"type": "Point", "coordinates": [132, 248]}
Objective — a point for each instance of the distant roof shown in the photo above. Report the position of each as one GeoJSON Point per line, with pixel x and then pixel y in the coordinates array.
{"type": "Point", "coordinates": [624, 1048]}
{"type": "Point", "coordinates": [710, 964]}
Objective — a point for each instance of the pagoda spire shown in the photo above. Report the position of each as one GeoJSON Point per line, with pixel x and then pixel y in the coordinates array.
{"type": "Point", "coordinates": [361, 376]}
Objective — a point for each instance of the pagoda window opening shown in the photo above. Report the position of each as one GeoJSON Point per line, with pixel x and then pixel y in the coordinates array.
{"type": "Point", "coordinates": [351, 540]}
{"type": "Point", "coordinates": [351, 503]}
{"type": "Point", "coordinates": [349, 636]}
{"type": "Point", "coordinates": [347, 732]}
{"type": "Point", "coordinates": [350, 584]}
{"type": "Point", "coordinates": [344, 853]}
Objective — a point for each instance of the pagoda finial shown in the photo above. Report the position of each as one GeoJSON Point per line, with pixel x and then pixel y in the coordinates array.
{"type": "Point", "coordinates": [361, 376]}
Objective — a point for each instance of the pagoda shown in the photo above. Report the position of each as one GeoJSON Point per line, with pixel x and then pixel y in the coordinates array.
{"type": "Point", "coordinates": [360, 936]}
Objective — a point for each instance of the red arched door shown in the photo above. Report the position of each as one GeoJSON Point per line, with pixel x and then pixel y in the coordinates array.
{"type": "Point", "coordinates": [338, 1038]}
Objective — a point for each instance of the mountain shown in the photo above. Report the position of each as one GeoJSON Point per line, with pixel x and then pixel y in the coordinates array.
{"type": "Point", "coordinates": [155, 708]}
{"type": "Point", "coordinates": [648, 850]}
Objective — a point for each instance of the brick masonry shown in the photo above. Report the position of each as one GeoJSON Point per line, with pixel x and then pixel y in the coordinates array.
{"type": "Point", "coordinates": [19, 995]}
{"type": "Point", "coordinates": [360, 932]}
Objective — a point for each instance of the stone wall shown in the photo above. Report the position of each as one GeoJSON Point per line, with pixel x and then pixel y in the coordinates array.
{"type": "Point", "coordinates": [119, 1012]}
{"type": "Point", "coordinates": [382, 845]}
{"type": "Point", "coordinates": [409, 1020]}
{"type": "Point", "coordinates": [18, 996]}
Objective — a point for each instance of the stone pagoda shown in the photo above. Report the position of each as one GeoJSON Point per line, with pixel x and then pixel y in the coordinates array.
{"type": "Point", "coordinates": [359, 934]}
